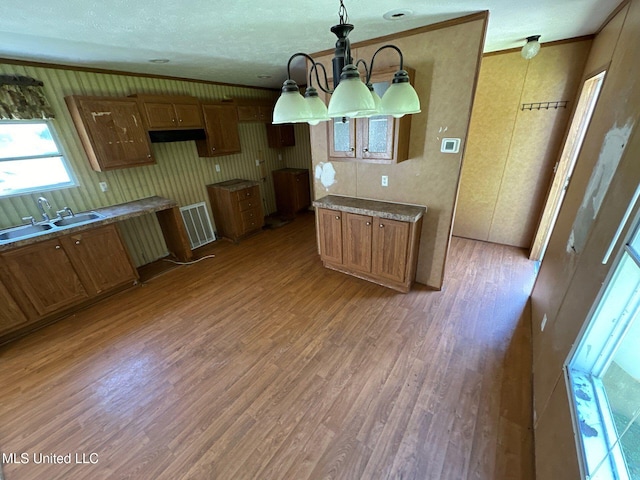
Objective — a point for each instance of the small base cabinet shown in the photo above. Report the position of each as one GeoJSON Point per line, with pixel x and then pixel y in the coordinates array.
{"type": "Point", "coordinates": [237, 208]}
{"type": "Point", "coordinates": [357, 237]}
{"type": "Point", "coordinates": [292, 190]}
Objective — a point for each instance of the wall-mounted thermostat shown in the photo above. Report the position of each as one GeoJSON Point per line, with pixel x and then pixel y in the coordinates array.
{"type": "Point", "coordinates": [450, 145]}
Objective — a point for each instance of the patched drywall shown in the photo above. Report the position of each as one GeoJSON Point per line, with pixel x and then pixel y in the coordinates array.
{"type": "Point", "coordinates": [611, 152]}
{"type": "Point", "coordinates": [325, 174]}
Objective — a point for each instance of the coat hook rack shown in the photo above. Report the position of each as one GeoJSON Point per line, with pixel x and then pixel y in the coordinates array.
{"type": "Point", "coordinates": [544, 105]}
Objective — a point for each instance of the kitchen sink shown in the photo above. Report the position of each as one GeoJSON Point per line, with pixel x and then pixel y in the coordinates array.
{"type": "Point", "coordinates": [77, 218]}
{"type": "Point", "coordinates": [24, 231]}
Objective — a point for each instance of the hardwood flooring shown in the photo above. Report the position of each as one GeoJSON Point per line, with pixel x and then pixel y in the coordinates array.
{"type": "Point", "coordinates": [261, 364]}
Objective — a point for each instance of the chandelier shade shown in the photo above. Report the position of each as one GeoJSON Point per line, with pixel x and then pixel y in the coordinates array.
{"type": "Point", "coordinates": [531, 48]}
{"type": "Point", "coordinates": [351, 96]}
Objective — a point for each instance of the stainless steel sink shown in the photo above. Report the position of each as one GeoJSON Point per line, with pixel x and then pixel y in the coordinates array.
{"type": "Point", "coordinates": [24, 231]}
{"type": "Point", "coordinates": [77, 218]}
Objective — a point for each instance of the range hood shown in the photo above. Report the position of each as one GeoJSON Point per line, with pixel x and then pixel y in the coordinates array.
{"type": "Point", "coordinates": [162, 136]}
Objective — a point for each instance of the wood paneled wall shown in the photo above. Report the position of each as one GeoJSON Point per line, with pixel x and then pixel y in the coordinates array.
{"type": "Point", "coordinates": [178, 174]}
{"type": "Point", "coordinates": [446, 60]}
{"type": "Point", "coordinates": [571, 275]}
{"type": "Point", "coordinates": [511, 152]}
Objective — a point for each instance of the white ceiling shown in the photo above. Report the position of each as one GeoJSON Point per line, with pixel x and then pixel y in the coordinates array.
{"type": "Point", "coordinates": [235, 41]}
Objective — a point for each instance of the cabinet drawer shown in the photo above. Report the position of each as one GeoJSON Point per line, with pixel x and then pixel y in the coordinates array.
{"type": "Point", "coordinates": [248, 203]}
{"type": "Point", "coordinates": [251, 192]}
{"type": "Point", "coordinates": [251, 220]}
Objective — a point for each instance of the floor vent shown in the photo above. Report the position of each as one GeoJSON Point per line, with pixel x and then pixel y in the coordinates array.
{"type": "Point", "coordinates": [196, 221]}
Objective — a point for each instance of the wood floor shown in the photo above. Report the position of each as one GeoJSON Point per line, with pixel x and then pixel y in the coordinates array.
{"type": "Point", "coordinates": [261, 364]}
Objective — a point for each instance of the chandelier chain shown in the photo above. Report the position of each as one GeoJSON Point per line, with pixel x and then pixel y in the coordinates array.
{"type": "Point", "coordinates": [342, 13]}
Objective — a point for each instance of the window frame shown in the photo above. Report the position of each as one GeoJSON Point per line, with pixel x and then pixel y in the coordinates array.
{"type": "Point", "coordinates": [73, 181]}
{"type": "Point", "coordinates": [589, 369]}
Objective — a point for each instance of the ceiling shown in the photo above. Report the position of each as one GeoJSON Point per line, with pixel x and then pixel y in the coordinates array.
{"type": "Point", "coordinates": [238, 41]}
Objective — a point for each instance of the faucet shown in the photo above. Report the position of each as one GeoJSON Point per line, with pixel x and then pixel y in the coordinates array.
{"type": "Point", "coordinates": [42, 202]}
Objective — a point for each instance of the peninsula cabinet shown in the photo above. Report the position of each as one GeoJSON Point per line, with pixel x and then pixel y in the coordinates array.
{"type": "Point", "coordinates": [50, 276]}
{"type": "Point", "coordinates": [379, 139]}
{"type": "Point", "coordinates": [111, 131]}
{"type": "Point", "coordinates": [170, 112]}
{"type": "Point", "coordinates": [375, 241]}
{"type": "Point", "coordinates": [237, 208]}
{"type": "Point", "coordinates": [221, 125]}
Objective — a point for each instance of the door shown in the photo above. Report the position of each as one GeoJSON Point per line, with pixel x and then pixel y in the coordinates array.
{"type": "Point", "coordinates": [342, 137]}
{"type": "Point", "coordinates": [390, 243]}
{"type": "Point", "coordinates": [566, 163]}
{"type": "Point", "coordinates": [221, 123]}
{"type": "Point", "coordinates": [356, 241]}
{"type": "Point", "coordinates": [188, 115]}
{"type": "Point", "coordinates": [160, 115]}
{"type": "Point", "coordinates": [11, 317]}
{"type": "Point", "coordinates": [376, 134]}
{"type": "Point", "coordinates": [100, 259]}
{"type": "Point", "coordinates": [330, 226]}
{"type": "Point", "coordinates": [46, 276]}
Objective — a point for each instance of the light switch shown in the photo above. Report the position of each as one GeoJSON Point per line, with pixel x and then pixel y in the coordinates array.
{"type": "Point", "coordinates": [103, 186]}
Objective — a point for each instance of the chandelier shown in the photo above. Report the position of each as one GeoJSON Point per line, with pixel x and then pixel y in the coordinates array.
{"type": "Point", "coordinates": [351, 96]}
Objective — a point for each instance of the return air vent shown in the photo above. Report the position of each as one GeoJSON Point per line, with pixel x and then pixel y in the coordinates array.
{"type": "Point", "coordinates": [196, 221]}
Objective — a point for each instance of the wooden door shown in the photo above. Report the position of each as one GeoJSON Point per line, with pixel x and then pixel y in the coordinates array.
{"type": "Point", "coordinates": [356, 241]}
{"type": "Point", "coordinates": [11, 316]}
{"type": "Point", "coordinates": [160, 115]}
{"type": "Point", "coordinates": [302, 191]}
{"type": "Point", "coordinates": [46, 275]}
{"type": "Point", "coordinates": [221, 124]}
{"type": "Point", "coordinates": [390, 243]}
{"type": "Point", "coordinates": [116, 136]}
{"type": "Point", "coordinates": [330, 233]}
{"type": "Point", "coordinates": [100, 259]}
{"type": "Point", "coordinates": [188, 115]}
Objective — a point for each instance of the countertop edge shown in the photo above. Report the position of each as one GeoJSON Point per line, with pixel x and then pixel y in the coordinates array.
{"type": "Point", "coordinates": [112, 214]}
{"type": "Point", "coordinates": [379, 208]}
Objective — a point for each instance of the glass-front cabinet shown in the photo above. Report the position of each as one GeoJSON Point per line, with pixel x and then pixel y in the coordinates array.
{"type": "Point", "coordinates": [378, 139]}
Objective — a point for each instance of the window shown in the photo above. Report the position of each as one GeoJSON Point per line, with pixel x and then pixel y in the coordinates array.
{"type": "Point", "coordinates": [604, 375]}
{"type": "Point", "coordinates": [30, 159]}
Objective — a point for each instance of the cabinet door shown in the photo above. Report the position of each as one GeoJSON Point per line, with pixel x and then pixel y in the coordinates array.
{"type": "Point", "coordinates": [390, 243]}
{"type": "Point", "coordinates": [377, 137]}
{"type": "Point", "coordinates": [221, 123]}
{"type": "Point", "coordinates": [46, 275]}
{"type": "Point", "coordinates": [330, 226]}
{"type": "Point", "coordinates": [279, 136]}
{"type": "Point", "coordinates": [342, 138]}
{"type": "Point", "coordinates": [111, 131]}
{"type": "Point", "coordinates": [302, 191]}
{"type": "Point", "coordinates": [100, 259]}
{"type": "Point", "coordinates": [188, 115]}
{"type": "Point", "coordinates": [356, 241]}
{"type": "Point", "coordinates": [11, 316]}
{"type": "Point", "coordinates": [160, 115]}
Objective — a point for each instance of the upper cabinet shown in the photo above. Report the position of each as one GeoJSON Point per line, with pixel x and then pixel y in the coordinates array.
{"type": "Point", "coordinates": [168, 112]}
{"type": "Point", "coordinates": [250, 110]}
{"type": "Point", "coordinates": [279, 136]}
{"type": "Point", "coordinates": [379, 139]}
{"type": "Point", "coordinates": [221, 125]}
{"type": "Point", "coordinates": [111, 130]}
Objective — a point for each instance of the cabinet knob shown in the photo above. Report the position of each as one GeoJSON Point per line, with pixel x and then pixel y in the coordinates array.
{"type": "Point", "coordinates": [381, 226]}
{"type": "Point", "coordinates": [337, 217]}
{"type": "Point", "coordinates": [353, 149]}
{"type": "Point", "coordinates": [366, 150]}
{"type": "Point", "coordinates": [213, 149]}
{"type": "Point", "coordinates": [148, 155]}
{"type": "Point", "coordinates": [173, 120]}
{"type": "Point", "coordinates": [368, 223]}
{"type": "Point", "coordinates": [248, 194]}
{"type": "Point", "coordinates": [57, 247]}
{"type": "Point", "coordinates": [180, 120]}
{"type": "Point", "coordinates": [77, 242]}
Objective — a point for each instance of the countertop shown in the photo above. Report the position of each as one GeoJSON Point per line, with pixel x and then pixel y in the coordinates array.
{"type": "Point", "coordinates": [235, 184]}
{"type": "Point", "coordinates": [111, 214]}
{"type": "Point", "coordinates": [374, 208]}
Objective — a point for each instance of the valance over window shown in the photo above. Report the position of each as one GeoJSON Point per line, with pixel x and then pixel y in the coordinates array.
{"type": "Point", "coordinates": [22, 98]}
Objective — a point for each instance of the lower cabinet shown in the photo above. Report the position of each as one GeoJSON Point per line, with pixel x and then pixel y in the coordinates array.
{"type": "Point", "coordinates": [237, 208]}
{"type": "Point", "coordinates": [51, 276]}
{"type": "Point", "coordinates": [11, 316]}
{"type": "Point", "coordinates": [371, 247]}
{"type": "Point", "coordinates": [292, 190]}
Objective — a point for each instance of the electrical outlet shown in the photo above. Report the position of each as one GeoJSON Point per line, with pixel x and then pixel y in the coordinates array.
{"type": "Point", "coordinates": [257, 162]}
{"type": "Point", "coordinates": [103, 186]}
{"type": "Point", "coordinates": [280, 156]}
{"type": "Point", "coordinates": [217, 168]}
{"type": "Point", "coordinates": [385, 180]}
